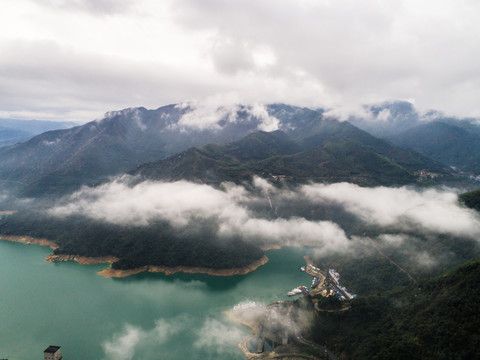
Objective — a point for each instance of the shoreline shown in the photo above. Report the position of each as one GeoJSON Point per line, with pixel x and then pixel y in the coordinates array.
{"type": "Point", "coordinates": [85, 260]}
{"type": "Point", "coordinates": [117, 273]}
{"type": "Point", "coordinates": [28, 240]}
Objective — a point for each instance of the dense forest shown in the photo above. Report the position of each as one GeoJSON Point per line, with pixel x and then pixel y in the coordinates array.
{"type": "Point", "coordinates": [433, 319]}
{"type": "Point", "coordinates": [471, 199]}
{"type": "Point", "coordinates": [156, 244]}
{"type": "Point", "coordinates": [356, 157]}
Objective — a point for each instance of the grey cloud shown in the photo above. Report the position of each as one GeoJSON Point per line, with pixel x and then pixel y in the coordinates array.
{"type": "Point", "coordinates": [96, 7]}
{"type": "Point", "coordinates": [360, 52]}
{"type": "Point", "coordinates": [85, 85]}
{"type": "Point", "coordinates": [334, 55]}
{"type": "Point", "coordinates": [231, 56]}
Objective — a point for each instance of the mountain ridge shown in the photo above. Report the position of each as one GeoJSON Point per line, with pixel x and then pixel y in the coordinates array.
{"type": "Point", "coordinates": [58, 162]}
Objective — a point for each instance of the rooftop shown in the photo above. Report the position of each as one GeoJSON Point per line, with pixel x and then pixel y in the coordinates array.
{"type": "Point", "coordinates": [52, 349]}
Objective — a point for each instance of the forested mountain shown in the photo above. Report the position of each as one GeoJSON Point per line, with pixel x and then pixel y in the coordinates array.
{"type": "Point", "coordinates": [453, 144]}
{"type": "Point", "coordinates": [159, 243]}
{"type": "Point", "coordinates": [60, 161]}
{"type": "Point", "coordinates": [339, 153]}
{"type": "Point", "coordinates": [434, 319]}
{"type": "Point", "coordinates": [471, 199]}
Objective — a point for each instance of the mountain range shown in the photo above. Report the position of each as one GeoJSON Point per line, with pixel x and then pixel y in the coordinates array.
{"type": "Point", "coordinates": [311, 146]}
{"type": "Point", "coordinates": [397, 315]}
{"type": "Point", "coordinates": [451, 141]}
{"type": "Point", "coordinates": [356, 157]}
{"type": "Point", "coordinates": [15, 131]}
{"type": "Point", "coordinates": [433, 319]}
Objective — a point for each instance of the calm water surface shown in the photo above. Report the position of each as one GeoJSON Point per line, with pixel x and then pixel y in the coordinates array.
{"type": "Point", "coordinates": [148, 316]}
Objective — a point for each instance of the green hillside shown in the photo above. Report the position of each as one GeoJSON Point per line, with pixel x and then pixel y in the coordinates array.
{"type": "Point", "coordinates": [434, 319]}
{"type": "Point", "coordinates": [346, 154]}
{"type": "Point", "coordinates": [158, 243]}
{"type": "Point", "coordinates": [58, 162]}
{"type": "Point", "coordinates": [471, 199]}
{"type": "Point", "coordinates": [444, 142]}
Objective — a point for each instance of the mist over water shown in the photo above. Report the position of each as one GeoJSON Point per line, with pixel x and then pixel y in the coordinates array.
{"type": "Point", "coordinates": [140, 317]}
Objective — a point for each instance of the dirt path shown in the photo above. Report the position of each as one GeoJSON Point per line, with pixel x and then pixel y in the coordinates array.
{"type": "Point", "coordinates": [393, 262]}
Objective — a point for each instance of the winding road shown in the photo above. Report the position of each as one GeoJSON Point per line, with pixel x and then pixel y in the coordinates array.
{"type": "Point", "coordinates": [328, 354]}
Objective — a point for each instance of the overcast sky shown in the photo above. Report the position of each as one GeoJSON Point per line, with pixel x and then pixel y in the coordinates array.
{"type": "Point", "coordinates": [76, 59]}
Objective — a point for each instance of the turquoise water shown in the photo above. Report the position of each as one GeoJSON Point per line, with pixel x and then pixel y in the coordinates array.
{"type": "Point", "coordinates": [147, 316]}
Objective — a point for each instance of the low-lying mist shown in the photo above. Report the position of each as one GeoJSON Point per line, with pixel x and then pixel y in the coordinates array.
{"type": "Point", "coordinates": [308, 214]}
{"type": "Point", "coordinates": [419, 228]}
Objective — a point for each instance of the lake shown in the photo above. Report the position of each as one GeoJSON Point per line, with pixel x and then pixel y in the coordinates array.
{"type": "Point", "coordinates": [147, 316]}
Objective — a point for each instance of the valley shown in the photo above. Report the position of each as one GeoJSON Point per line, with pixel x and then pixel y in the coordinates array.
{"type": "Point", "coordinates": [150, 197]}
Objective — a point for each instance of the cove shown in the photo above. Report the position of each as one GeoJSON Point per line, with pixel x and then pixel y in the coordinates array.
{"type": "Point", "coordinates": [146, 316]}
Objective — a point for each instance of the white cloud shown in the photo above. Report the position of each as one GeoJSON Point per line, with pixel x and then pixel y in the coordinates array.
{"type": "Point", "coordinates": [403, 208]}
{"type": "Point", "coordinates": [294, 231]}
{"type": "Point", "coordinates": [219, 336]}
{"type": "Point", "coordinates": [207, 114]}
{"type": "Point", "coordinates": [212, 112]}
{"type": "Point", "coordinates": [267, 122]}
{"type": "Point", "coordinates": [122, 346]}
{"type": "Point", "coordinates": [180, 202]}
{"type": "Point", "coordinates": [125, 344]}
{"type": "Point", "coordinates": [232, 207]}
{"type": "Point", "coordinates": [384, 115]}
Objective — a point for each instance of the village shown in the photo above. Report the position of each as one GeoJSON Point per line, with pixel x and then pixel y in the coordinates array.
{"type": "Point", "coordinates": [276, 333]}
{"type": "Point", "coordinates": [324, 283]}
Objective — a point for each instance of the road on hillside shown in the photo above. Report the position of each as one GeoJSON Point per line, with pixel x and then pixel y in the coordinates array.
{"type": "Point", "coordinates": [323, 349]}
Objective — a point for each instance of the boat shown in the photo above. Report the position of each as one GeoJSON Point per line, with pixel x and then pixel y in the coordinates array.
{"type": "Point", "coordinates": [303, 268]}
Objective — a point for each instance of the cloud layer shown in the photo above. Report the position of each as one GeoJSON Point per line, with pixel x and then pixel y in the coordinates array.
{"type": "Point", "coordinates": [252, 214]}
{"type": "Point", "coordinates": [182, 202]}
{"type": "Point", "coordinates": [74, 60]}
{"type": "Point", "coordinates": [124, 344]}
{"type": "Point", "coordinates": [432, 210]}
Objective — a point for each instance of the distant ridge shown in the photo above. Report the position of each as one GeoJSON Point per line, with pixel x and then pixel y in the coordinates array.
{"type": "Point", "coordinates": [60, 161]}
{"type": "Point", "coordinates": [15, 131]}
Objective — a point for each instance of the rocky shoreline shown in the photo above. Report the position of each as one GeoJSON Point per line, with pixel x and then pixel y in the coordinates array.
{"type": "Point", "coordinates": [30, 240]}
{"type": "Point", "coordinates": [117, 273]}
{"type": "Point", "coordinates": [82, 259]}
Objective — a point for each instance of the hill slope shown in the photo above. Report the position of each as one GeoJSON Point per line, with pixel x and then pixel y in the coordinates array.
{"type": "Point", "coordinates": [345, 154]}
{"type": "Point", "coordinates": [445, 142]}
{"type": "Point", "coordinates": [61, 161]}
{"type": "Point", "coordinates": [158, 243]}
{"type": "Point", "coordinates": [471, 199]}
{"type": "Point", "coordinates": [436, 319]}
{"type": "Point", "coordinates": [14, 131]}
